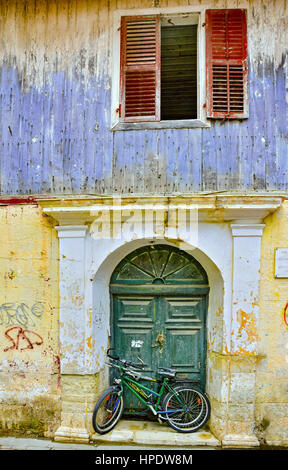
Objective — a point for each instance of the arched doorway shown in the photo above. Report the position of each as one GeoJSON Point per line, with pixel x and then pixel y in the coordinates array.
{"type": "Point", "coordinates": [159, 298]}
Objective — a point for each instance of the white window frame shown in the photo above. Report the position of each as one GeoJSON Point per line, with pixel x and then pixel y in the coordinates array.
{"type": "Point", "coordinates": [201, 120]}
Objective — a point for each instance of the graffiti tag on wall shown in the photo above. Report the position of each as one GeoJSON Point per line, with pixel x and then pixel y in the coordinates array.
{"type": "Point", "coordinates": [20, 318]}
{"type": "Point", "coordinates": [20, 314]}
{"type": "Point", "coordinates": [21, 339]}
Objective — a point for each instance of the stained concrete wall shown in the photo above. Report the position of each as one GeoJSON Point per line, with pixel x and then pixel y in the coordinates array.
{"type": "Point", "coordinates": [30, 383]}
{"type": "Point", "coordinates": [272, 370]}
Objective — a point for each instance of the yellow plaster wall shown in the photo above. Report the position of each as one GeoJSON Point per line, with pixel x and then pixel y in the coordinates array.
{"type": "Point", "coordinates": [29, 350]}
{"type": "Point", "coordinates": [272, 370]}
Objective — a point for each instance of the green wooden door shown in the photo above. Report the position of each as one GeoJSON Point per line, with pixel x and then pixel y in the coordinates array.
{"type": "Point", "coordinates": [159, 303]}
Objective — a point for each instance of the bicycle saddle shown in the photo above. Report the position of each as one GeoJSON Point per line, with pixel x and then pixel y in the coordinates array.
{"type": "Point", "coordinates": [167, 372]}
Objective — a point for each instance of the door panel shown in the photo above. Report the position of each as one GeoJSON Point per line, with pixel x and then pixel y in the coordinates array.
{"type": "Point", "coordinates": [184, 350]}
{"type": "Point", "coordinates": [133, 322]}
{"type": "Point", "coordinates": [133, 329]}
{"type": "Point", "coordinates": [185, 326]}
{"type": "Point", "coordinates": [163, 331]}
{"type": "Point", "coordinates": [159, 304]}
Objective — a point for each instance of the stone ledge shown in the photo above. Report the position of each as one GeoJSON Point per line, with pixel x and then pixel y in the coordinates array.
{"type": "Point", "coordinates": [150, 433]}
{"type": "Point", "coordinates": [277, 443]}
{"type": "Point", "coordinates": [69, 434]}
{"type": "Point", "coordinates": [240, 440]}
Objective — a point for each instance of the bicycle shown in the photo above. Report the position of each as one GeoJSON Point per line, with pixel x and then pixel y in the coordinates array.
{"type": "Point", "coordinates": [185, 408]}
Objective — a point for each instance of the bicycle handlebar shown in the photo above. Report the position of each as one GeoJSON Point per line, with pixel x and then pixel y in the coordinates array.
{"type": "Point", "coordinates": [112, 357]}
{"type": "Point", "coordinates": [134, 364]}
{"type": "Point", "coordinates": [125, 362]}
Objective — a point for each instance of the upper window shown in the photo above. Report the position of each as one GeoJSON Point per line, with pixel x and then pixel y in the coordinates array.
{"type": "Point", "coordinates": [160, 78]}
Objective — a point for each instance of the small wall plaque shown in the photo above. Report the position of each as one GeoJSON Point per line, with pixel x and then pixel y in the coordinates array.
{"type": "Point", "coordinates": [281, 263]}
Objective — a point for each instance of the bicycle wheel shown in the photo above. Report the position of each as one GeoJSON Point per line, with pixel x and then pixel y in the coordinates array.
{"type": "Point", "coordinates": [107, 411]}
{"type": "Point", "coordinates": [188, 409]}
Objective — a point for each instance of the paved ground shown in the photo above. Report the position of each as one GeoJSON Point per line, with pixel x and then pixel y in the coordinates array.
{"type": "Point", "coordinates": [127, 435]}
{"type": "Point", "coordinates": [10, 443]}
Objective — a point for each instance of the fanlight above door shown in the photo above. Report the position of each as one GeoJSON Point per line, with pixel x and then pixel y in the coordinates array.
{"type": "Point", "coordinates": [159, 264]}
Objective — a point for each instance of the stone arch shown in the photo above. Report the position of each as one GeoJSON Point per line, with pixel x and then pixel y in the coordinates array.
{"type": "Point", "coordinates": [101, 298]}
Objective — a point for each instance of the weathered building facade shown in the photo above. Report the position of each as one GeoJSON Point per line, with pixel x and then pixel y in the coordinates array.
{"type": "Point", "coordinates": [135, 222]}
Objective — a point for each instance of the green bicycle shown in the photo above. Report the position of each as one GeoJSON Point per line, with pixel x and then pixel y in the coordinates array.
{"type": "Point", "coordinates": [184, 407]}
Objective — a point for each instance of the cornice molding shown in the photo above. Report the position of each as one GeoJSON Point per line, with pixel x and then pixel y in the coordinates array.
{"type": "Point", "coordinates": [210, 208]}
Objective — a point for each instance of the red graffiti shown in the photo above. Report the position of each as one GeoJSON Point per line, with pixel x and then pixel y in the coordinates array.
{"type": "Point", "coordinates": [22, 337]}
{"type": "Point", "coordinates": [285, 314]}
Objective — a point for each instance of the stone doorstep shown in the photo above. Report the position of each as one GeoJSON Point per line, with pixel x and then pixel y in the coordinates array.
{"type": "Point", "coordinates": [156, 434]}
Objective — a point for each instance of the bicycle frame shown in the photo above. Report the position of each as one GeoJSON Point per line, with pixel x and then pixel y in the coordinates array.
{"type": "Point", "coordinates": [136, 388]}
{"type": "Point", "coordinates": [184, 408]}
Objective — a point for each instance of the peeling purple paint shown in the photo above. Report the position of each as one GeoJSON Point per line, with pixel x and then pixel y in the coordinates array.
{"type": "Point", "coordinates": [58, 140]}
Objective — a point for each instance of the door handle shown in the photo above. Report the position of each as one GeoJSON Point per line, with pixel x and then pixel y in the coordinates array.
{"type": "Point", "coordinates": [160, 341]}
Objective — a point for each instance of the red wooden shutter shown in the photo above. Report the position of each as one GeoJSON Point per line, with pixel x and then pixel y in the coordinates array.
{"type": "Point", "coordinates": [227, 63]}
{"type": "Point", "coordinates": [140, 68]}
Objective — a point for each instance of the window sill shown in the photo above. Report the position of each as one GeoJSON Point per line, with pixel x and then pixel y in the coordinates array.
{"type": "Point", "coordinates": [155, 125]}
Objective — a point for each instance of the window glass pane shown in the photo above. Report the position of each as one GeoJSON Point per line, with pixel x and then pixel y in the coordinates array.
{"type": "Point", "coordinates": [179, 72]}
